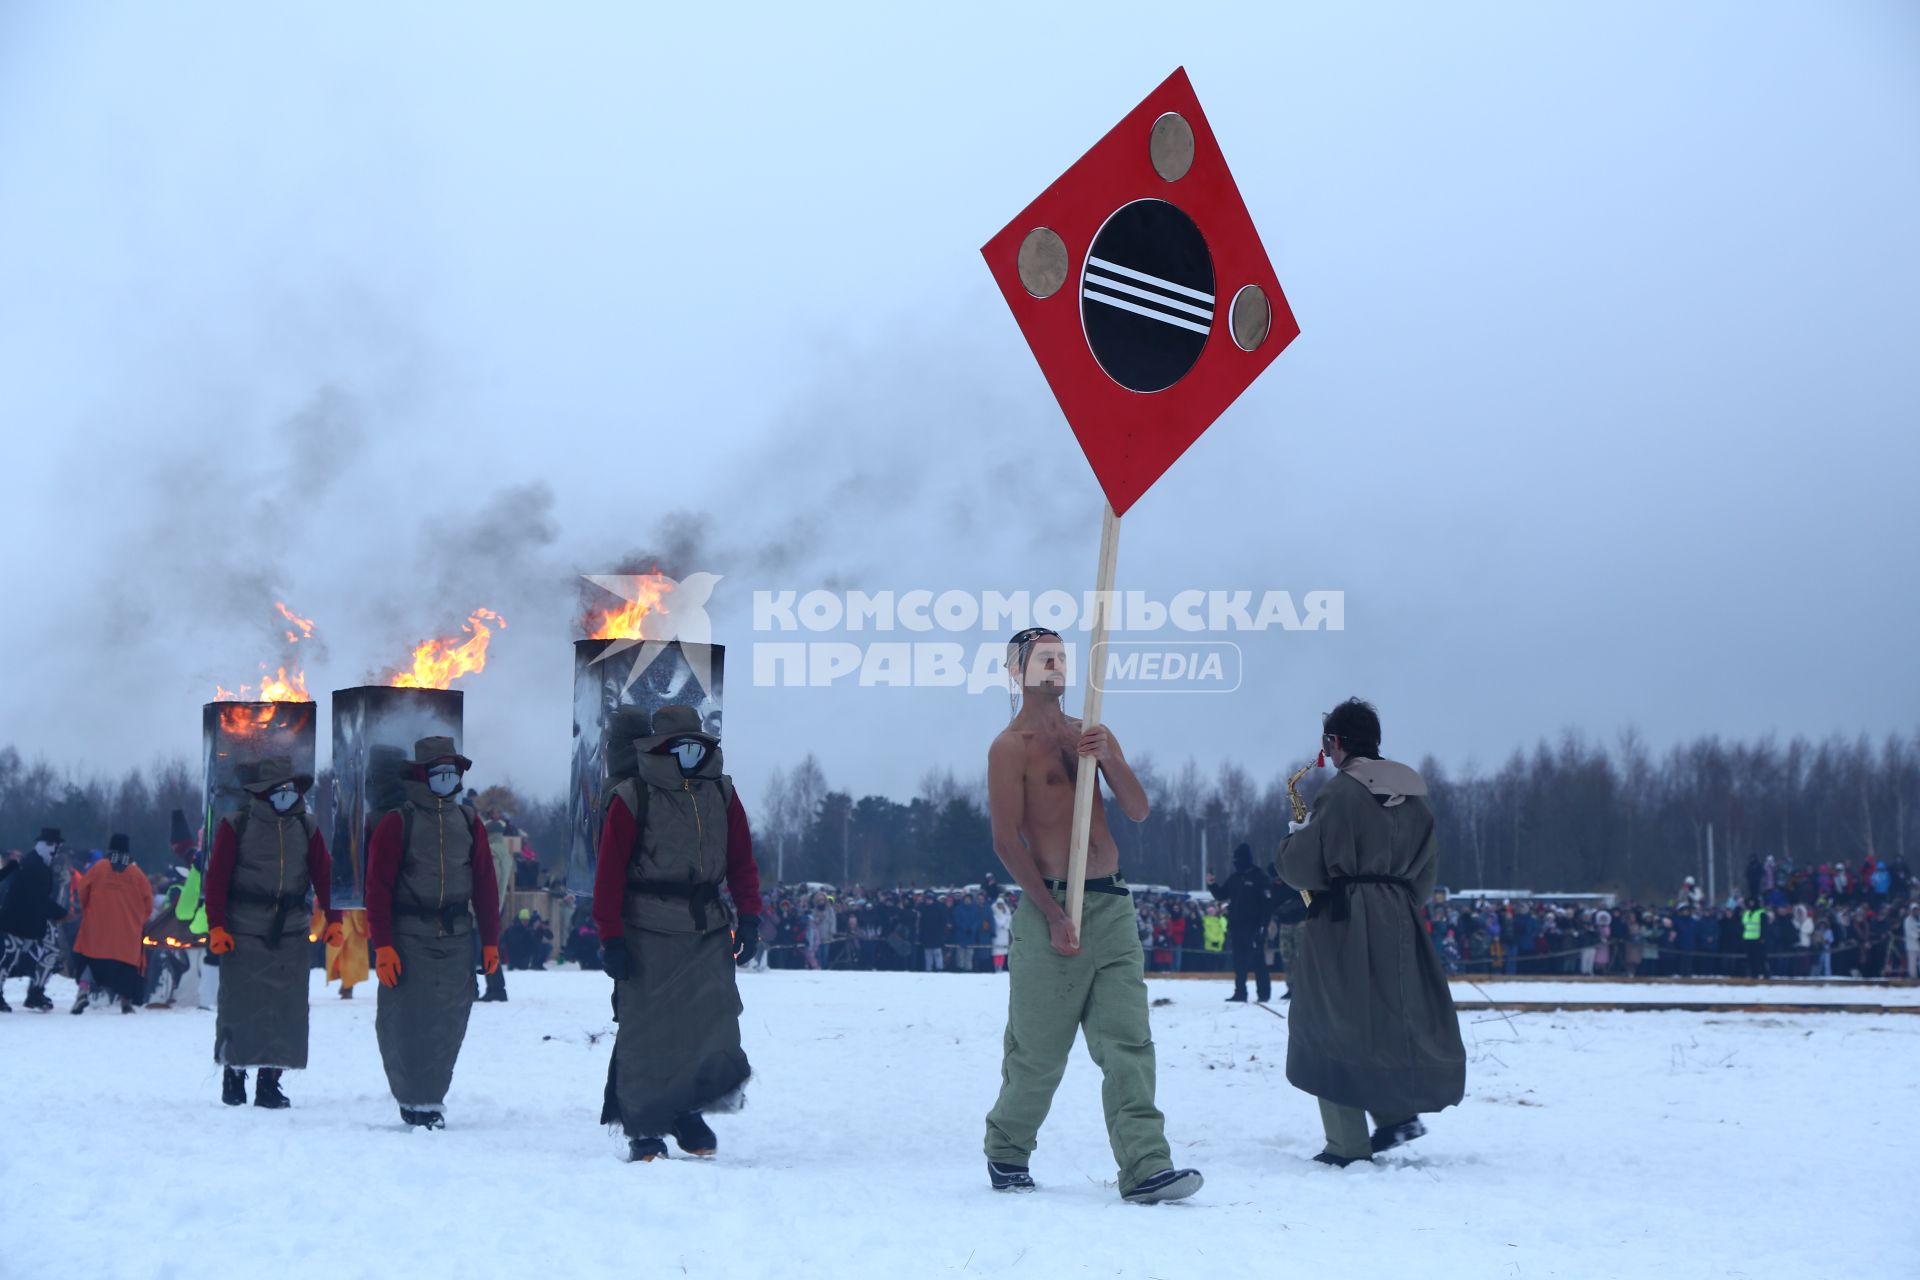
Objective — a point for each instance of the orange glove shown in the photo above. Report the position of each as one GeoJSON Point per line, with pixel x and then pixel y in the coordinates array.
{"type": "Point", "coordinates": [336, 934]}
{"type": "Point", "coordinates": [489, 960]}
{"type": "Point", "coordinates": [219, 941]}
{"type": "Point", "coordinates": [387, 961]}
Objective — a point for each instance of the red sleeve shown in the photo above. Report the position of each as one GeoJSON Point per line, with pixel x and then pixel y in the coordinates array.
{"type": "Point", "coordinates": [743, 874]}
{"type": "Point", "coordinates": [383, 869]}
{"type": "Point", "coordinates": [610, 869]}
{"type": "Point", "coordinates": [220, 874]}
{"type": "Point", "coordinates": [320, 872]}
{"type": "Point", "coordinates": [486, 887]}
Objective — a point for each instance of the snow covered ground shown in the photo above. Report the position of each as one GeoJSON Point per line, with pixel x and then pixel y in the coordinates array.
{"type": "Point", "coordinates": [1596, 1144]}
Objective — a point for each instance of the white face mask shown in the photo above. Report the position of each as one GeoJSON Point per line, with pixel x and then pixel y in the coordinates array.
{"type": "Point", "coordinates": [283, 800]}
{"type": "Point", "coordinates": [443, 781]}
{"type": "Point", "coordinates": [42, 848]}
{"type": "Point", "coordinates": [689, 754]}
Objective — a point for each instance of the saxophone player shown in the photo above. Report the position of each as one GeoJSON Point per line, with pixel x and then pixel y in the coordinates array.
{"type": "Point", "coordinates": [1373, 1028]}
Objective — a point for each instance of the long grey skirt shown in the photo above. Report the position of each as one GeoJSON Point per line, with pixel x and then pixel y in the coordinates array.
{"type": "Point", "coordinates": [260, 1017]}
{"type": "Point", "coordinates": [422, 1022]}
{"type": "Point", "coordinates": [678, 1050]}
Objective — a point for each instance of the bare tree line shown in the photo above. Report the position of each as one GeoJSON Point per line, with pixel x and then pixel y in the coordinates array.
{"type": "Point", "coordinates": [1573, 815]}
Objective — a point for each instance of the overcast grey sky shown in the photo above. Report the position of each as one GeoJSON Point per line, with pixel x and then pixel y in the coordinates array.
{"type": "Point", "coordinates": [1603, 412]}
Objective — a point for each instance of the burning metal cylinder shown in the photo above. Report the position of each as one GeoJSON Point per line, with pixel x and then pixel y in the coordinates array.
{"type": "Point", "coordinates": [374, 730]}
{"type": "Point", "coordinates": [608, 675]}
{"type": "Point", "coordinates": [244, 733]}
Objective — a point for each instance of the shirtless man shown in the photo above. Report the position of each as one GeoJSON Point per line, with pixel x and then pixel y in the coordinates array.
{"type": "Point", "coordinates": [1063, 979]}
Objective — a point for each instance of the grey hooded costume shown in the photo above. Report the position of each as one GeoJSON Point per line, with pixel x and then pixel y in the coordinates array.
{"type": "Point", "coordinates": [1372, 1023]}
{"type": "Point", "coordinates": [258, 879]}
{"type": "Point", "coordinates": [662, 859]}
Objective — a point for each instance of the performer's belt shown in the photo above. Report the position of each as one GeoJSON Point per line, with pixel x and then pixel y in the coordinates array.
{"type": "Point", "coordinates": [449, 915]}
{"type": "Point", "coordinates": [699, 896]}
{"type": "Point", "coordinates": [1115, 883]}
{"type": "Point", "coordinates": [1334, 900]}
{"type": "Point", "coordinates": [283, 904]}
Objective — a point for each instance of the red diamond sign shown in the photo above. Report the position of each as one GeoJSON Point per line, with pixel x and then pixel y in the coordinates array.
{"type": "Point", "coordinates": [1143, 289]}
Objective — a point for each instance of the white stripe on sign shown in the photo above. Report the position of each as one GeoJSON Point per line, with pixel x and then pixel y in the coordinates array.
{"type": "Point", "coordinates": [1149, 295]}
{"type": "Point", "coordinates": [1138, 310]}
{"type": "Point", "coordinates": [1144, 278]}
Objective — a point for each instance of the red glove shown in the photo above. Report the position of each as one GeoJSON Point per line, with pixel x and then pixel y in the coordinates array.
{"type": "Point", "coordinates": [219, 941]}
{"type": "Point", "coordinates": [489, 960]}
{"type": "Point", "coordinates": [387, 961]}
{"type": "Point", "coordinates": [336, 934]}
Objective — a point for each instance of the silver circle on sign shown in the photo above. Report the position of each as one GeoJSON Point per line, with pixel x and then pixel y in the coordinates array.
{"type": "Point", "coordinates": [1043, 262]}
{"type": "Point", "coordinates": [1171, 146]}
{"type": "Point", "coordinates": [1251, 317]}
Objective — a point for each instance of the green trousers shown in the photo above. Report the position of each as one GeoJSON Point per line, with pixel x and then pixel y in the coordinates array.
{"type": "Point", "coordinates": [1347, 1133]}
{"type": "Point", "coordinates": [1101, 992]}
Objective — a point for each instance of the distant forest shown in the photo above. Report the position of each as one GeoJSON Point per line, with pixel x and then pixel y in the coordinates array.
{"type": "Point", "coordinates": [1575, 815]}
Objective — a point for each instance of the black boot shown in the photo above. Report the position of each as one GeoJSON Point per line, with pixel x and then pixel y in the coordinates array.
{"type": "Point", "coordinates": [1389, 1136]}
{"type": "Point", "coordinates": [423, 1118]}
{"type": "Point", "coordinates": [233, 1087]}
{"type": "Point", "coordinates": [266, 1090]}
{"type": "Point", "coordinates": [4, 1006]}
{"type": "Point", "coordinates": [37, 1000]}
{"type": "Point", "coordinates": [346, 993]}
{"type": "Point", "coordinates": [1238, 997]}
{"type": "Point", "coordinates": [645, 1150]}
{"type": "Point", "coordinates": [1340, 1162]}
{"type": "Point", "coordinates": [496, 988]}
{"type": "Point", "coordinates": [694, 1136]}
{"type": "Point", "coordinates": [80, 1002]}
{"type": "Point", "coordinates": [1008, 1177]}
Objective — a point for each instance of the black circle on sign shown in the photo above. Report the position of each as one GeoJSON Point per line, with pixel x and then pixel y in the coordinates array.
{"type": "Point", "coordinates": [1146, 295]}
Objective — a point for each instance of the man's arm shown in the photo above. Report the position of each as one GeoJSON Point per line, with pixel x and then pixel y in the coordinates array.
{"type": "Point", "coordinates": [1100, 743]}
{"type": "Point", "coordinates": [1007, 810]}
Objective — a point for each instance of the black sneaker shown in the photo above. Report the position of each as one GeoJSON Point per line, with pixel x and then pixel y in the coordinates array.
{"type": "Point", "coordinates": [1168, 1184]}
{"type": "Point", "coordinates": [645, 1150]}
{"type": "Point", "coordinates": [37, 1000]}
{"type": "Point", "coordinates": [1009, 1177]}
{"type": "Point", "coordinates": [233, 1087]}
{"type": "Point", "coordinates": [694, 1136]}
{"type": "Point", "coordinates": [1238, 997]}
{"type": "Point", "coordinates": [266, 1091]}
{"type": "Point", "coordinates": [79, 1003]}
{"type": "Point", "coordinates": [1340, 1162]}
{"type": "Point", "coordinates": [1387, 1137]}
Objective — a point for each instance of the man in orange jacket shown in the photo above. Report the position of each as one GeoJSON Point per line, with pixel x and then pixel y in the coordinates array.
{"type": "Point", "coordinates": [115, 900]}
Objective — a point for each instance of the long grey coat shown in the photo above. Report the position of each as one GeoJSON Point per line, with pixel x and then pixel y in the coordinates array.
{"type": "Point", "coordinates": [1372, 1022]}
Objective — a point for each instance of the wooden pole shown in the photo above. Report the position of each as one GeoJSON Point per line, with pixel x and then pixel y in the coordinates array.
{"type": "Point", "coordinates": [1087, 780]}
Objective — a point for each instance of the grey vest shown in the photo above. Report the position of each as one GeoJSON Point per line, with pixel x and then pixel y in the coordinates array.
{"type": "Point", "coordinates": [270, 881]}
{"type": "Point", "coordinates": [679, 856]}
{"type": "Point", "coordinates": [433, 892]}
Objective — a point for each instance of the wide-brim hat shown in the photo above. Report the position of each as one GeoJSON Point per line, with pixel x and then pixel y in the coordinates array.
{"type": "Point", "coordinates": [670, 724]}
{"type": "Point", "coordinates": [263, 776]}
{"type": "Point", "coordinates": [427, 751]}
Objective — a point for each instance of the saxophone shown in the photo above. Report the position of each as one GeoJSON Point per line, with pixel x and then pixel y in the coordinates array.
{"type": "Point", "coordinates": [1299, 810]}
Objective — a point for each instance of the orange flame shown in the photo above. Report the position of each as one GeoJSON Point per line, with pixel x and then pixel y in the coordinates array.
{"type": "Point", "coordinates": [304, 625]}
{"type": "Point", "coordinates": [438, 663]}
{"type": "Point", "coordinates": [624, 622]}
{"type": "Point", "coordinates": [244, 721]}
{"type": "Point", "coordinates": [278, 687]}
